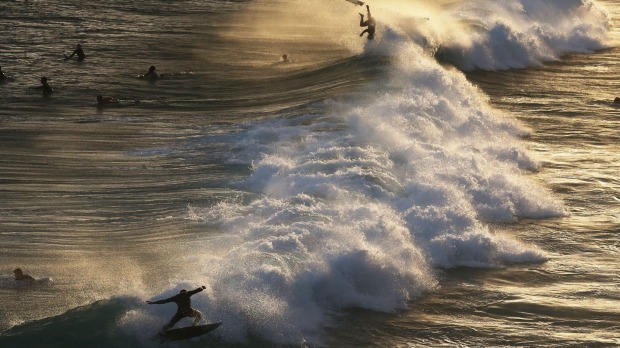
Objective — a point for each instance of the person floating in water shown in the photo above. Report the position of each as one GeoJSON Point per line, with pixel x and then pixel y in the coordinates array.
{"type": "Point", "coordinates": [2, 75]}
{"type": "Point", "coordinates": [106, 100]}
{"type": "Point", "coordinates": [79, 52]}
{"type": "Point", "coordinates": [45, 87]}
{"type": "Point", "coordinates": [284, 58]}
{"type": "Point", "coordinates": [184, 307]}
{"type": "Point", "coordinates": [20, 276]}
{"type": "Point", "coordinates": [151, 73]}
{"type": "Point", "coordinates": [370, 23]}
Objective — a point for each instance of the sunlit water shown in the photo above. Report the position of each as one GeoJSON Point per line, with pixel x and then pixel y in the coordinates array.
{"type": "Point", "coordinates": [359, 195]}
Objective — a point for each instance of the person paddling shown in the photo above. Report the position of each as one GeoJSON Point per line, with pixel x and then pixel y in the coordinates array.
{"type": "Point", "coordinates": [184, 307]}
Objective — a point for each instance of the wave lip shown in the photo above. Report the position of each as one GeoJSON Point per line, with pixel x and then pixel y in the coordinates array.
{"type": "Point", "coordinates": [491, 35]}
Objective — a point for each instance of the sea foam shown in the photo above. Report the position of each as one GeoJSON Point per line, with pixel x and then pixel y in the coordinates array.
{"type": "Point", "coordinates": [362, 206]}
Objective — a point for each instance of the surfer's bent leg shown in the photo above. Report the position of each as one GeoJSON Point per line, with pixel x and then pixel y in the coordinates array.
{"type": "Point", "coordinates": [178, 316]}
{"type": "Point", "coordinates": [197, 315]}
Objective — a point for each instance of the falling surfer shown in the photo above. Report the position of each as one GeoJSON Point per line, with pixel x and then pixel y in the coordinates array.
{"type": "Point", "coordinates": [369, 23]}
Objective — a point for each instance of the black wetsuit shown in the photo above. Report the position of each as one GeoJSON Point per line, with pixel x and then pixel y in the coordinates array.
{"type": "Point", "coordinates": [45, 87]}
{"type": "Point", "coordinates": [80, 54]}
{"type": "Point", "coordinates": [370, 23]}
{"type": "Point", "coordinates": [184, 309]}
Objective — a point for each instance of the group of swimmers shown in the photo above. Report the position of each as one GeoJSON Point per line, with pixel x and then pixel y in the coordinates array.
{"type": "Point", "coordinates": [45, 87]}
{"type": "Point", "coordinates": [79, 52]}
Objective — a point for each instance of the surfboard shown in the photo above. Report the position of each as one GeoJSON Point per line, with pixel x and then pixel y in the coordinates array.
{"type": "Point", "coordinates": [188, 332]}
{"type": "Point", "coordinates": [356, 2]}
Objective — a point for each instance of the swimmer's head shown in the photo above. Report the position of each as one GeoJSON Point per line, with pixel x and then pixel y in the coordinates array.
{"type": "Point", "coordinates": [18, 271]}
{"type": "Point", "coordinates": [152, 68]}
{"type": "Point", "coordinates": [43, 79]}
{"type": "Point", "coordinates": [182, 291]}
{"type": "Point", "coordinates": [617, 100]}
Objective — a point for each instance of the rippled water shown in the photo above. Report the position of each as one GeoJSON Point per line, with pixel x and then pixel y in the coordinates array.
{"type": "Point", "coordinates": [292, 190]}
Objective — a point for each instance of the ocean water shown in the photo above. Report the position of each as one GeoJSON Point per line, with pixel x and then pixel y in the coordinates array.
{"type": "Point", "coordinates": [453, 183]}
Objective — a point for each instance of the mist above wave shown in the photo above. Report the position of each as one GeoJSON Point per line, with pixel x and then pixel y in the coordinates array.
{"type": "Point", "coordinates": [494, 35]}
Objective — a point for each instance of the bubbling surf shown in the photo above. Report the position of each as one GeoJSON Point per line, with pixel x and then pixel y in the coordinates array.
{"type": "Point", "coordinates": [519, 34]}
{"type": "Point", "coordinates": [361, 202]}
{"type": "Point", "coordinates": [362, 207]}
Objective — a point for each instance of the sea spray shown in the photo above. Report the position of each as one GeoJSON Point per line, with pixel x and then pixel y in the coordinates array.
{"type": "Point", "coordinates": [361, 206]}
{"type": "Point", "coordinates": [358, 210]}
{"type": "Point", "coordinates": [518, 34]}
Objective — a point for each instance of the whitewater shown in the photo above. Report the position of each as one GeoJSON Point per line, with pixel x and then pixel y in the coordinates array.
{"type": "Point", "coordinates": [396, 192]}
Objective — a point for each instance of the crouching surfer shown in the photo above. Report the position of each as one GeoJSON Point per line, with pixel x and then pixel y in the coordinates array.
{"type": "Point", "coordinates": [184, 307]}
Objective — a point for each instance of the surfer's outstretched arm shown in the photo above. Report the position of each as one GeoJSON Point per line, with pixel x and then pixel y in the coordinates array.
{"type": "Point", "coordinates": [197, 290]}
{"type": "Point", "coordinates": [167, 300]}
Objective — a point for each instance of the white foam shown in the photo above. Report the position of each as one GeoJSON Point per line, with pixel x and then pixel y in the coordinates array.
{"type": "Point", "coordinates": [502, 35]}
{"type": "Point", "coordinates": [362, 208]}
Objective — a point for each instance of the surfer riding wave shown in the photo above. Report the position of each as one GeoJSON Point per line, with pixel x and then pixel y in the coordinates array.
{"type": "Point", "coordinates": [184, 309]}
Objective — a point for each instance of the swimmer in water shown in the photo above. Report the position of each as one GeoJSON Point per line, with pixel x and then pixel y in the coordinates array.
{"type": "Point", "coordinates": [106, 100]}
{"type": "Point", "coordinates": [2, 75]}
{"type": "Point", "coordinates": [20, 276]}
{"type": "Point", "coordinates": [79, 52]}
{"type": "Point", "coordinates": [151, 73]}
{"type": "Point", "coordinates": [45, 87]}
{"type": "Point", "coordinates": [284, 58]}
{"type": "Point", "coordinates": [617, 100]}
{"type": "Point", "coordinates": [370, 23]}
